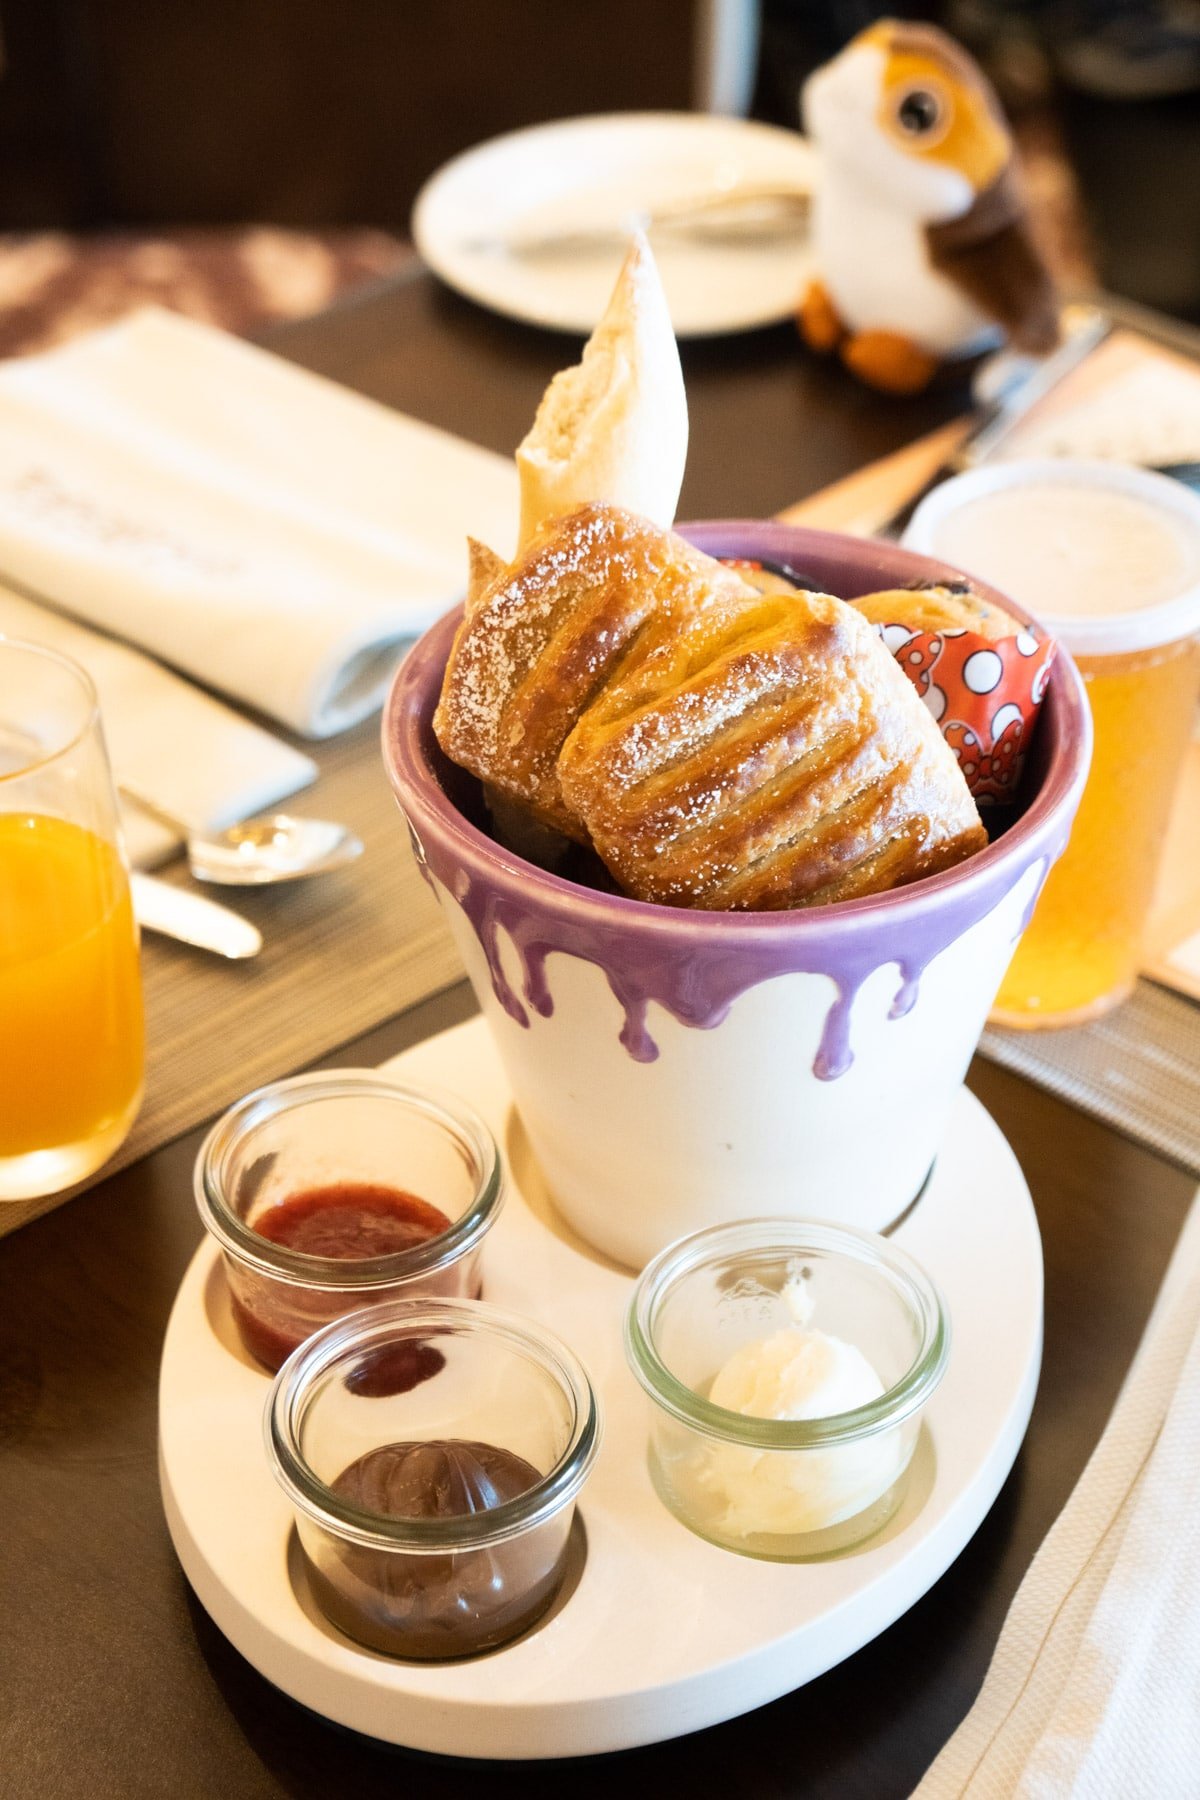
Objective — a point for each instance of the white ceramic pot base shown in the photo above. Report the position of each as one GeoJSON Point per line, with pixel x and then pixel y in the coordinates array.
{"type": "Point", "coordinates": [664, 1633]}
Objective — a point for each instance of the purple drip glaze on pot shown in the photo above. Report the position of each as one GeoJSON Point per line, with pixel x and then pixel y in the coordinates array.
{"type": "Point", "coordinates": [696, 964]}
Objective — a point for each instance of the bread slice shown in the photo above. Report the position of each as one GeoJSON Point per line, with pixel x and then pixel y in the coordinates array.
{"type": "Point", "coordinates": [614, 427]}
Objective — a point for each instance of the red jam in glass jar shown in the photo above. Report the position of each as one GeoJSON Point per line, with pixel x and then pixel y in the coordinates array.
{"type": "Point", "coordinates": [297, 1183]}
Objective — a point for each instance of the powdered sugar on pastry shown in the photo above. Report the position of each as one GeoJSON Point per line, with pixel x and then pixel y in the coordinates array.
{"type": "Point", "coordinates": [539, 643]}
{"type": "Point", "coordinates": [771, 757]}
{"type": "Point", "coordinates": [719, 747]}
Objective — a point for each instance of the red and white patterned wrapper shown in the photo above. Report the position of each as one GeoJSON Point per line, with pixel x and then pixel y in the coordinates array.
{"type": "Point", "coordinates": [984, 693]}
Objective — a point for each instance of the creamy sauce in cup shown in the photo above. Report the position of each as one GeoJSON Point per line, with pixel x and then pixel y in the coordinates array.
{"type": "Point", "coordinates": [1062, 550]}
{"type": "Point", "coordinates": [1106, 557]}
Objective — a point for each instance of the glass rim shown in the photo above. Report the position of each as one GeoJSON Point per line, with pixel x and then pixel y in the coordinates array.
{"type": "Point", "coordinates": [343, 1274]}
{"type": "Point", "coordinates": [787, 1236]}
{"type": "Point", "coordinates": [292, 1390]}
{"type": "Point", "coordinates": [1168, 622]}
{"type": "Point", "coordinates": [48, 653]}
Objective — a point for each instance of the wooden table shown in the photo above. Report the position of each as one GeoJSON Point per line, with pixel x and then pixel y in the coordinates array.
{"type": "Point", "coordinates": [113, 1683]}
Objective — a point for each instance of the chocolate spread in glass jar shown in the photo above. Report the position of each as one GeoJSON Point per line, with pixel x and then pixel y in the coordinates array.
{"type": "Point", "coordinates": [435, 1605]}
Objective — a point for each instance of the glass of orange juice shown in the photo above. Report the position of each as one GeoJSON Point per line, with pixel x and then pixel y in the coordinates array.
{"type": "Point", "coordinates": [71, 1032]}
{"type": "Point", "coordinates": [1107, 558]}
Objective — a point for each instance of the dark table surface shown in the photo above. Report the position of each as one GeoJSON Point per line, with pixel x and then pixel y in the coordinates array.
{"type": "Point", "coordinates": [113, 1682]}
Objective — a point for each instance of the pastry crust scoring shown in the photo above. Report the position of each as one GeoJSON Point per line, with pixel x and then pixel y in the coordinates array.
{"type": "Point", "coordinates": [719, 747]}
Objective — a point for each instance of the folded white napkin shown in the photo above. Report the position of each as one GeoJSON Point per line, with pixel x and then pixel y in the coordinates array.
{"type": "Point", "coordinates": [196, 760]}
{"type": "Point", "coordinates": [261, 528]}
{"type": "Point", "coordinates": [1094, 1689]}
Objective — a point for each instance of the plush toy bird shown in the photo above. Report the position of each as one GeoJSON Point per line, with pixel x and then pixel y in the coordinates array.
{"type": "Point", "coordinates": [921, 241]}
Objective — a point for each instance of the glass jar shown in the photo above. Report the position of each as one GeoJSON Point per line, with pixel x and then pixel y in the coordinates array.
{"type": "Point", "coordinates": [433, 1453]}
{"type": "Point", "coordinates": [326, 1141]}
{"type": "Point", "coordinates": [788, 1364]}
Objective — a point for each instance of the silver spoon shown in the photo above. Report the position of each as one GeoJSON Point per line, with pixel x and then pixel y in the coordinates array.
{"type": "Point", "coordinates": [261, 851]}
{"type": "Point", "coordinates": [280, 848]}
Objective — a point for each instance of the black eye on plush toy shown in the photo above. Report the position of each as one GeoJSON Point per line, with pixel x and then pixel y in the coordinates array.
{"type": "Point", "coordinates": [919, 111]}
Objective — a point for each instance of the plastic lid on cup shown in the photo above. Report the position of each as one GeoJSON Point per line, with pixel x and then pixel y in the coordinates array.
{"type": "Point", "coordinates": [942, 527]}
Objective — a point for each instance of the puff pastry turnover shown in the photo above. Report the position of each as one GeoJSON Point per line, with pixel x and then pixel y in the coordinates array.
{"type": "Point", "coordinates": [937, 607]}
{"type": "Point", "coordinates": [540, 640]}
{"type": "Point", "coordinates": [719, 747]}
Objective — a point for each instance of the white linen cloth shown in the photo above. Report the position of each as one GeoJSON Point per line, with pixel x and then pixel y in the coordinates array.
{"type": "Point", "coordinates": [262, 529]}
{"type": "Point", "coordinates": [197, 760]}
{"type": "Point", "coordinates": [1094, 1689]}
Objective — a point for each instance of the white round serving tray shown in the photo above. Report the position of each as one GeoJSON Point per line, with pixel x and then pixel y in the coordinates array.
{"type": "Point", "coordinates": [663, 1633]}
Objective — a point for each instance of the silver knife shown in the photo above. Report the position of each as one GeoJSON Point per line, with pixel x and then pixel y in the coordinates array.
{"type": "Point", "coordinates": [192, 919]}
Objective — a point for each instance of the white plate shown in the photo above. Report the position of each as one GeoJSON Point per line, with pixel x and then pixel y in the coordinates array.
{"type": "Point", "coordinates": [595, 171]}
{"type": "Point", "coordinates": [664, 1633]}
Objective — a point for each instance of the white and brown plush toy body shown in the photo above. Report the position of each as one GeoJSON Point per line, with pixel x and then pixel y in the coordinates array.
{"type": "Point", "coordinates": [921, 242]}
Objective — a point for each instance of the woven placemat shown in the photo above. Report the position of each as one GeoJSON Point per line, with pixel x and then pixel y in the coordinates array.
{"type": "Point", "coordinates": [1137, 1069]}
